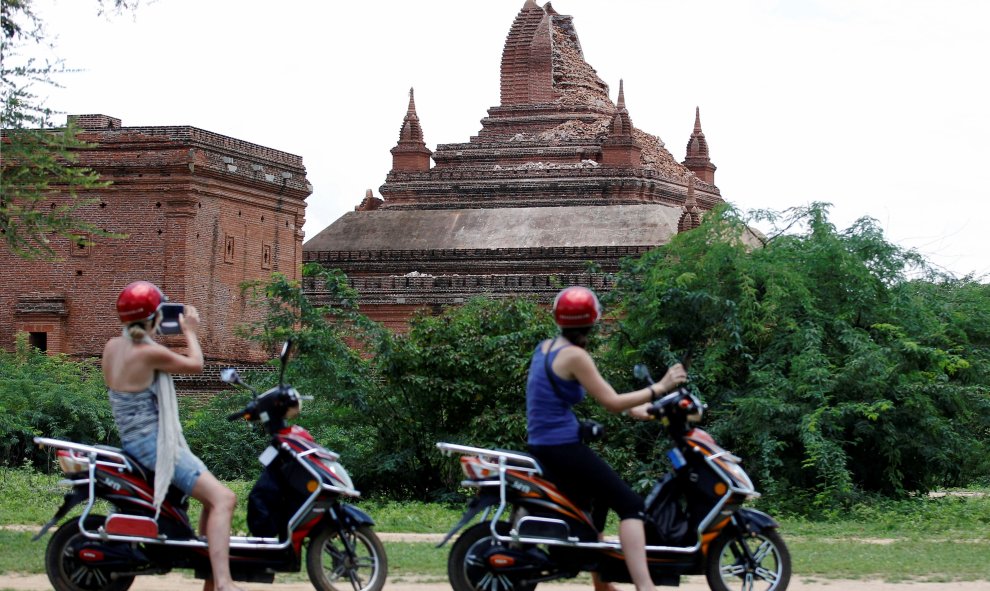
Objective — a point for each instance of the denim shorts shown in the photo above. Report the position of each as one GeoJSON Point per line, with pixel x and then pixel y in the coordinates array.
{"type": "Point", "coordinates": [187, 468]}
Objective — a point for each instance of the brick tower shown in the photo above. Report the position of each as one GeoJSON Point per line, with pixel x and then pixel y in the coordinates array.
{"type": "Point", "coordinates": [202, 213]}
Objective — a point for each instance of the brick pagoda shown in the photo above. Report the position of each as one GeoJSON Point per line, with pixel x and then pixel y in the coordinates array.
{"type": "Point", "coordinates": [558, 176]}
{"type": "Point", "coordinates": [203, 213]}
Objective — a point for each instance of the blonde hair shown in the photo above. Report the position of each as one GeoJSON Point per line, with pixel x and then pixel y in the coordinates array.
{"type": "Point", "coordinates": [138, 331]}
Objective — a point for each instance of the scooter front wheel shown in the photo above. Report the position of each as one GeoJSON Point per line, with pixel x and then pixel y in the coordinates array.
{"type": "Point", "coordinates": [66, 566]}
{"type": "Point", "coordinates": [748, 563]}
{"type": "Point", "coordinates": [347, 560]}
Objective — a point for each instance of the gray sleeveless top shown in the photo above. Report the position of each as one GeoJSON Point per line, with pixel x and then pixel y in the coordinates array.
{"type": "Point", "coordinates": [136, 413]}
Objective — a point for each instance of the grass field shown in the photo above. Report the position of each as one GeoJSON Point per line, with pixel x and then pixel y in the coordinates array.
{"type": "Point", "coordinates": [932, 539]}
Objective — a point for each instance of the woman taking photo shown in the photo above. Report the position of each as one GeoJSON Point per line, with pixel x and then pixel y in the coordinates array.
{"type": "Point", "coordinates": [137, 372]}
{"type": "Point", "coordinates": [560, 374]}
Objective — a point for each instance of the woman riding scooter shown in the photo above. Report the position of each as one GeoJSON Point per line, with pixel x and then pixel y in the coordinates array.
{"type": "Point", "coordinates": [560, 373]}
{"type": "Point", "coordinates": [137, 372]}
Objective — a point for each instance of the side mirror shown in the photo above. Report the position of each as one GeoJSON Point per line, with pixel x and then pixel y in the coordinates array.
{"type": "Point", "coordinates": [642, 373]}
{"type": "Point", "coordinates": [284, 359]}
{"type": "Point", "coordinates": [230, 375]}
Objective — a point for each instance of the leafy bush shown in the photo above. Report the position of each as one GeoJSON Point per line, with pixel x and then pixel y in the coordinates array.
{"type": "Point", "coordinates": [228, 448]}
{"type": "Point", "coordinates": [52, 396]}
{"type": "Point", "coordinates": [834, 362]}
{"type": "Point", "coordinates": [383, 400]}
{"type": "Point", "coordinates": [460, 377]}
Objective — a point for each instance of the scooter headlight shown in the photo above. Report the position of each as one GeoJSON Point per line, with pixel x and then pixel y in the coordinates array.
{"type": "Point", "coordinates": [338, 471]}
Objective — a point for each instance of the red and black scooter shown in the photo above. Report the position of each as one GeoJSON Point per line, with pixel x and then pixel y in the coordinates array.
{"type": "Point", "coordinates": [695, 519]}
{"type": "Point", "coordinates": [298, 497]}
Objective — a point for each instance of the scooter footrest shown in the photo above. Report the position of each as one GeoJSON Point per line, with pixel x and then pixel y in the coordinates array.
{"type": "Point", "coordinates": [131, 525]}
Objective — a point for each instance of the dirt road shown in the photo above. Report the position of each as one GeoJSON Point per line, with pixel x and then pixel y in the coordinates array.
{"type": "Point", "coordinates": [179, 582]}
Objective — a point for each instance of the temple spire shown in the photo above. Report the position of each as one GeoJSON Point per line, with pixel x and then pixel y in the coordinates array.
{"type": "Point", "coordinates": [527, 58]}
{"type": "Point", "coordinates": [697, 159]}
{"type": "Point", "coordinates": [411, 130]}
{"type": "Point", "coordinates": [620, 148]}
{"type": "Point", "coordinates": [411, 153]}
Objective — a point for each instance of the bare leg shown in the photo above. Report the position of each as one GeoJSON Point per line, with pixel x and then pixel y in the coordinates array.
{"type": "Point", "coordinates": [596, 579]}
{"type": "Point", "coordinates": [633, 540]}
{"type": "Point", "coordinates": [204, 517]}
{"type": "Point", "coordinates": [601, 585]}
{"type": "Point", "coordinates": [218, 509]}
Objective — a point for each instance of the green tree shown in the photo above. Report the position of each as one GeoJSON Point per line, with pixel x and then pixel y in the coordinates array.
{"type": "Point", "coordinates": [331, 361]}
{"type": "Point", "coordinates": [41, 188]}
{"type": "Point", "coordinates": [833, 361]}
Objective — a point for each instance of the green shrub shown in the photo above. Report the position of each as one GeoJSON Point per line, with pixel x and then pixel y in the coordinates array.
{"type": "Point", "coordinates": [228, 448]}
{"type": "Point", "coordinates": [834, 363]}
{"type": "Point", "coordinates": [51, 396]}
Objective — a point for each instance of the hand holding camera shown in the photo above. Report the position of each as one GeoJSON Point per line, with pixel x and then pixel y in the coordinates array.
{"type": "Point", "coordinates": [189, 320]}
{"type": "Point", "coordinates": [178, 318]}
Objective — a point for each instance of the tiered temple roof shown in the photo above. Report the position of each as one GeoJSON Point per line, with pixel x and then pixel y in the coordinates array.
{"type": "Point", "coordinates": [557, 176]}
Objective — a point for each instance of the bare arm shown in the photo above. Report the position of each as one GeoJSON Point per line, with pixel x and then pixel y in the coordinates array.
{"type": "Point", "coordinates": [577, 363]}
{"type": "Point", "coordinates": [164, 359]}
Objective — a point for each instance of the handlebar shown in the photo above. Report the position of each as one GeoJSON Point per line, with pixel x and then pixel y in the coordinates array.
{"type": "Point", "coordinates": [237, 415]}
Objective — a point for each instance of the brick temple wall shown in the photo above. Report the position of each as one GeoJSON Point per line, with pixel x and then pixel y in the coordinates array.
{"type": "Point", "coordinates": [202, 213]}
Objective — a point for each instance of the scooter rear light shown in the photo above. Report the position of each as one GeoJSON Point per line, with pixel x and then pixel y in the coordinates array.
{"type": "Point", "coordinates": [70, 463]}
{"type": "Point", "coordinates": [476, 470]}
{"type": "Point", "coordinates": [90, 555]}
{"type": "Point", "coordinates": [501, 561]}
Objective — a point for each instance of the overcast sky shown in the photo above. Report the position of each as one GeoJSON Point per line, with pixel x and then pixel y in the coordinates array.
{"type": "Point", "coordinates": [880, 107]}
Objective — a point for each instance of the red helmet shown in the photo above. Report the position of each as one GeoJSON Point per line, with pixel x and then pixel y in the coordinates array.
{"type": "Point", "coordinates": [139, 301]}
{"type": "Point", "coordinates": [575, 307]}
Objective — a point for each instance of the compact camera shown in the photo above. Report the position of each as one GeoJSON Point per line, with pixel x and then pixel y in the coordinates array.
{"type": "Point", "coordinates": [170, 318]}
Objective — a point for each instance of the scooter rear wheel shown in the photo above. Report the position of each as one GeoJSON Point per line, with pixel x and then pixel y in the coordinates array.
{"type": "Point", "coordinates": [67, 572]}
{"type": "Point", "coordinates": [332, 568]}
{"type": "Point", "coordinates": [468, 571]}
{"type": "Point", "coordinates": [748, 563]}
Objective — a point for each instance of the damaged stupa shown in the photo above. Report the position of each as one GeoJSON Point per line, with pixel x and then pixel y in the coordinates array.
{"type": "Point", "coordinates": [557, 177]}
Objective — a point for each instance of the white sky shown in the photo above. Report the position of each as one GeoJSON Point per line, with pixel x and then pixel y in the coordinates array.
{"type": "Point", "coordinates": [880, 107]}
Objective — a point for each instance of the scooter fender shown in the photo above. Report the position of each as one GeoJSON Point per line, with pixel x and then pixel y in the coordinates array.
{"type": "Point", "coordinates": [477, 505]}
{"type": "Point", "coordinates": [354, 517]}
{"type": "Point", "coordinates": [751, 521]}
{"type": "Point", "coordinates": [347, 517]}
{"type": "Point", "coordinates": [77, 495]}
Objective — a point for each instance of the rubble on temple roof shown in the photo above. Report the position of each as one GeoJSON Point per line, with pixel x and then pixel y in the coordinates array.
{"type": "Point", "coordinates": [576, 82]}
{"type": "Point", "coordinates": [575, 129]}
{"type": "Point", "coordinates": [656, 157]}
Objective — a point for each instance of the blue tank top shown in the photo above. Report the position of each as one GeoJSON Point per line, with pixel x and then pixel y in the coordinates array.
{"type": "Point", "coordinates": [549, 418]}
